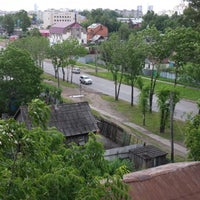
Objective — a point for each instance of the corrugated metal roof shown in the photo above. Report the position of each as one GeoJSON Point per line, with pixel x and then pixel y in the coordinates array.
{"type": "Point", "coordinates": [174, 181]}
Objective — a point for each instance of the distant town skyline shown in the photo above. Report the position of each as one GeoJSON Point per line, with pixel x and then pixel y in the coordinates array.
{"type": "Point", "coordinates": [13, 5]}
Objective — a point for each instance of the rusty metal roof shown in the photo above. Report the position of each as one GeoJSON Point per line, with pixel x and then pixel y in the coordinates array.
{"type": "Point", "coordinates": [69, 118]}
{"type": "Point", "coordinates": [174, 181]}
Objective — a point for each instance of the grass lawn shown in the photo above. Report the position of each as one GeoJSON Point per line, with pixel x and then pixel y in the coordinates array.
{"type": "Point", "coordinates": [133, 113]}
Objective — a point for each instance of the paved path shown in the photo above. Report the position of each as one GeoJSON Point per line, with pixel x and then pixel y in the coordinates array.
{"type": "Point", "coordinates": [178, 149]}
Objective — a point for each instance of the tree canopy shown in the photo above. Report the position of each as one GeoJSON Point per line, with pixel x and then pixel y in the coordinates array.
{"type": "Point", "coordinates": [35, 164]}
{"type": "Point", "coordinates": [20, 79]}
{"type": "Point", "coordinates": [192, 138]}
{"type": "Point", "coordinates": [106, 17]}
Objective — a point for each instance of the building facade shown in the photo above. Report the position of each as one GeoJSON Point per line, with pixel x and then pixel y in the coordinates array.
{"type": "Point", "coordinates": [52, 16]}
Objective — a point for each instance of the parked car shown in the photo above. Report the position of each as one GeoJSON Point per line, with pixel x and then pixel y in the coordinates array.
{"type": "Point", "coordinates": [76, 70]}
{"type": "Point", "coordinates": [85, 80]}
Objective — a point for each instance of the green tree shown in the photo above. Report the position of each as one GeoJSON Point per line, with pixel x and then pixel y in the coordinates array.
{"type": "Point", "coordinates": [183, 43]}
{"type": "Point", "coordinates": [39, 113]}
{"type": "Point", "coordinates": [143, 102]}
{"type": "Point", "coordinates": [65, 53]}
{"type": "Point", "coordinates": [35, 164]}
{"type": "Point", "coordinates": [106, 17]}
{"type": "Point", "coordinates": [22, 20]}
{"type": "Point", "coordinates": [8, 23]}
{"type": "Point", "coordinates": [164, 106]}
{"type": "Point", "coordinates": [134, 59]}
{"type": "Point", "coordinates": [191, 15]}
{"type": "Point", "coordinates": [20, 79]}
{"type": "Point", "coordinates": [37, 46]}
{"type": "Point", "coordinates": [161, 22]}
{"type": "Point", "coordinates": [124, 31]}
{"type": "Point", "coordinates": [192, 137]}
{"type": "Point", "coordinates": [156, 52]}
{"type": "Point", "coordinates": [198, 105]}
{"type": "Point", "coordinates": [113, 52]}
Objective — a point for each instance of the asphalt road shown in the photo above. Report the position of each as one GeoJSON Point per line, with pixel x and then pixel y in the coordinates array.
{"type": "Point", "coordinates": [183, 109]}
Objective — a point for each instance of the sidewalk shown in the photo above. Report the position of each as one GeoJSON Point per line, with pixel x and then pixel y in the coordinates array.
{"type": "Point", "coordinates": [178, 149]}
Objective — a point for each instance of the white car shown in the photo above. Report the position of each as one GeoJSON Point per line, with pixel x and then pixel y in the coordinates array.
{"type": "Point", "coordinates": [76, 70]}
{"type": "Point", "coordinates": [85, 80]}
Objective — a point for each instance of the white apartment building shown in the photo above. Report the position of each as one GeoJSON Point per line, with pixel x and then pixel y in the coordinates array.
{"type": "Point", "coordinates": [52, 16]}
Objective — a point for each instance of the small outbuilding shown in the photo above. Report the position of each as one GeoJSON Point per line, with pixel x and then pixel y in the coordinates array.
{"type": "Point", "coordinates": [74, 120]}
{"type": "Point", "coordinates": [147, 156]}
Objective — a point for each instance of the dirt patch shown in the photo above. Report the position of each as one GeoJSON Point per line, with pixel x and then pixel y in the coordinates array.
{"type": "Point", "coordinates": [95, 100]}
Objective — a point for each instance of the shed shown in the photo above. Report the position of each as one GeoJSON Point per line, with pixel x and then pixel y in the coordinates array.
{"type": "Point", "coordinates": [74, 120]}
{"type": "Point", "coordinates": [147, 156]}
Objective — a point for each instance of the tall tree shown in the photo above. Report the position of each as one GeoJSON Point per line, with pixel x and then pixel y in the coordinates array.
{"type": "Point", "coordinates": [143, 102]}
{"type": "Point", "coordinates": [22, 20]}
{"type": "Point", "coordinates": [20, 79]}
{"type": "Point", "coordinates": [134, 60]}
{"type": "Point", "coordinates": [164, 106]}
{"type": "Point", "coordinates": [113, 52]}
{"type": "Point", "coordinates": [191, 15]}
{"type": "Point", "coordinates": [183, 44]}
{"type": "Point", "coordinates": [37, 46]}
{"type": "Point", "coordinates": [65, 53]}
{"type": "Point", "coordinates": [156, 52]}
{"type": "Point", "coordinates": [8, 23]}
{"type": "Point", "coordinates": [106, 17]}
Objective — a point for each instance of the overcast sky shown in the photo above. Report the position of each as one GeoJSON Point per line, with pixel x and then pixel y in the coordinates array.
{"type": "Point", "coordinates": [158, 5]}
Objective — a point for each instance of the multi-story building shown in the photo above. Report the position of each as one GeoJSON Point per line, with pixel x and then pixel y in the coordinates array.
{"type": "Point", "coordinates": [52, 16]}
{"type": "Point", "coordinates": [130, 13]}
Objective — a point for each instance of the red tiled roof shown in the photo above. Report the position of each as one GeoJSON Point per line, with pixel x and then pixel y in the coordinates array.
{"type": "Point", "coordinates": [174, 181]}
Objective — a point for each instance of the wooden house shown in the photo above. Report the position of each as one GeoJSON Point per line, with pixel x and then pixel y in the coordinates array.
{"type": "Point", "coordinates": [74, 120]}
{"type": "Point", "coordinates": [180, 181]}
{"type": "Point", "coordinates": [147, 156]}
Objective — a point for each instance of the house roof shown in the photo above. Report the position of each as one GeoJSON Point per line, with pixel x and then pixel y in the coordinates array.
{"type": "Point", "coordinates": [70, 118]}
{"type": "Point", "coordinates": [61, 27]}
{"type": "Point", "coordinates": [148, 152]}
{"type": "Point", "coordinates": [180, 181]}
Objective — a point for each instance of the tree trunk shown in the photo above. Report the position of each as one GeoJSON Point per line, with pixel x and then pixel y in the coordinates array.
{"type": "Point", "coordinates": [58, 79]}
{"type": "Point", "coordinates": [144, 118]}
{"type": "Point", "coordinates": [63, 72]}
{"type": "Point", "coordinates": [162, 122]}
{"type": "Point", "coordinates": [150, 101]}
{"type": "Point", "coordinates": [116, 94]}
{"type": "Point", "coordinates": [132, 93]}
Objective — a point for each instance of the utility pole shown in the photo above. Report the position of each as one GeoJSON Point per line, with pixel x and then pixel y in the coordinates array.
{"type": "Point", "coordinates": [172, 124]}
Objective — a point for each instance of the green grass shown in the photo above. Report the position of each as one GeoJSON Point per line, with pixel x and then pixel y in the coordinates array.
{"type": "Point", "coordinates": [134, 115]}
{"type": "Point", "coordinates": [62, 83]}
